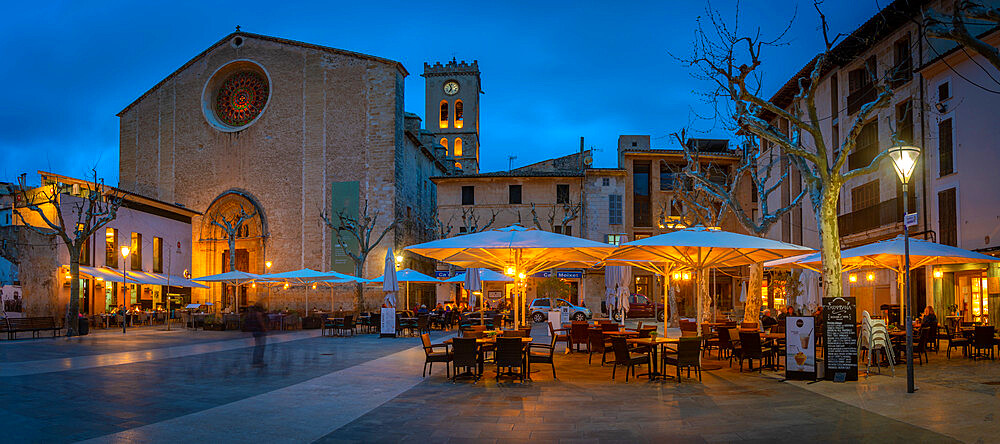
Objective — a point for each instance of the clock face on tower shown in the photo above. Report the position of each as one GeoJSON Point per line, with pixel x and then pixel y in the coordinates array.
{"type": "Point", "coordinates": [451, 87]}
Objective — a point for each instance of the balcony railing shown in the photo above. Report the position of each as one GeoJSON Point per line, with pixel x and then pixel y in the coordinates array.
{"type": "Point", "coordinates": [861, 158]}
{"type": "Point", "coordinates": [882, 214]}
{"type": "Point", "coordinates": [860, 97]}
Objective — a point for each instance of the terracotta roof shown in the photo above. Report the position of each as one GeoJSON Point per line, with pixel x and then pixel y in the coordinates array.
{"type": "Point", "coordinates": [226, 39]}
{"type": "Point", "coordinates": [511, 174]}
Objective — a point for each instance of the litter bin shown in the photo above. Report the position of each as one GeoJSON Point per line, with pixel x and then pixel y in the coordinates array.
{"type": "Point", "coordinates": [83, 326]}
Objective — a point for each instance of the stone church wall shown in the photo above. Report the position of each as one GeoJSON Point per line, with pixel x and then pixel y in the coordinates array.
{"type": "Point", "coordinates": [331, 117]}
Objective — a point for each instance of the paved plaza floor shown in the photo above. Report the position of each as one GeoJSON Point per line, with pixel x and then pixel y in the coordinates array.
{"type": "Point", "coordinates": [151, 385]}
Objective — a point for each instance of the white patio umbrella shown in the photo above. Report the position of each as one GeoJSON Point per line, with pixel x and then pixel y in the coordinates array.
{"type": "Point", "coordinates": [472, 285]}
{"type": "Point", "coordinates": [407, 275]}
{"type": "Point", "coordinates": [700, 248]}
{"type": "Point", "coordinates": [299, 277]}
{"type": "Point", "coordinates": [523, 251]}
{"type": "Point", "coordinates": [235, 278]}
{"type": "Point", "coordinates": [616, 282]}
{"type": "Point", "coordinates": [389, 283]}
{"type": "Point", "coordinates": [341, 279]}
{"type": "Point", "coordinates": [890, 254]}
{"type": "Point", "coordinates": [485, 275]}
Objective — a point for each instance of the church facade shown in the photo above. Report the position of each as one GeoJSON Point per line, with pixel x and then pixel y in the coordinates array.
{"type": "Point", "coordinates": [287, 131]}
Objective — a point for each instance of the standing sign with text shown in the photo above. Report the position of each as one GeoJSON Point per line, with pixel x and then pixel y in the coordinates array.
{"type": "Point", "coordinates": [388, 321]}
{"type": "Point", "coordinates": [800, 347]}
{"type": "Point", "coordinates": [840, 335]}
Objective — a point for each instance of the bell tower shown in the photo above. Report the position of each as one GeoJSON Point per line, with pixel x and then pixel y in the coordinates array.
{"type": "Point", "coordinates": [452, 113]}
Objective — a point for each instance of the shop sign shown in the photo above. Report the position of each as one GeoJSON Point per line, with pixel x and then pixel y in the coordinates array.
{"type": "Point", "coordinates": [442, 274]}
{"type": "Point", "coordinates": [841, 339]}
{"type": "Point", "coordinates": [800, 348]}
{"type": "Point", "coordinates": [388, 321]}
{"type": "Point", "coordinates": [561, 274]}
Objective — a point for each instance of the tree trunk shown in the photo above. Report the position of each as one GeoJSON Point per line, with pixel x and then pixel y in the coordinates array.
{"type": "Point", "coordinates": [675, 315]}
{"type": "Point", "coordinates": [73, 311]}
{"type": "Point", "coordinates": [232, 267]}
{"type": "Point", "coordinates": [359, 296]}
{"type": "Point", "coordinates": [704, 298]}
{"type": "Point", "coordinates": [829, 236]}
{"type": "Point", "coordinates": [751, 307]}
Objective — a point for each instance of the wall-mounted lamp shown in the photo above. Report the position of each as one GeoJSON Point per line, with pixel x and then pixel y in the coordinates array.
{"type": "Point", "coordinates": [938, 274]}
{"type": "Point", "coordinates": [852, 277]}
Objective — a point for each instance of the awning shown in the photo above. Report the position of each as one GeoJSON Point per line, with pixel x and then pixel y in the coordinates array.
{"type": "Point", "coordinates": [102, 274]}
{"type": "Point", "coordinates": [143, 278]}
{"type": "Point", "coordinates": [180, 281]}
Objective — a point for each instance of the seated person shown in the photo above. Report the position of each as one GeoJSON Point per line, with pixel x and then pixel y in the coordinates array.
{"type": "Point", "coordinates": [789, 311]}
{"type": "Point", "coordinates": [766, 321]}
{"type": "Point", "coordinates": [422, 309]}
{"type": "Point", "coordinates": [929, 319]}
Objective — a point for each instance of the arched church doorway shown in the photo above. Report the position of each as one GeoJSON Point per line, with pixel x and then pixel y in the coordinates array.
{"type": "Point", "coordinates": [233, 236]}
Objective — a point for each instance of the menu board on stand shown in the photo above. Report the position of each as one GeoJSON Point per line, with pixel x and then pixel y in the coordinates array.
{"type": "Point", "coordinates": [800, 348]}
{"type": "Point", "coordinates": [840, 336]}
{"type": "Point", "coordinates": [387, 329]}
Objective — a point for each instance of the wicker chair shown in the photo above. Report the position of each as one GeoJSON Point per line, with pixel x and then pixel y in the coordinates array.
{"type": "Point", "coordinates": [687, 357]}
{"type": "Point", "coordinates": [955, 341]}
{"type": "Point", "coordinates": [544, 356]}
{"type": "Point", "coordinates": [625, 358]}
{"type": "Point", "coordinates": [559, 337]}
{"type": "Point", "coordinates": [578, 334]}
{"type": "Point", "coordinates": [431, 356]}
{"type": "Point", "coordinates": [465, 355]}
{"type": "Point", "coordinates": [509, 355]}
{"type": "Point", "coordinates": [751, 348]}
{"type": "Point", "coordinates": [597, 343]}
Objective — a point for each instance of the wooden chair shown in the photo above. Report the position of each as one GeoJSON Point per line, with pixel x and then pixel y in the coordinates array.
{"type": "Point", "coordinates": [544, 356]}
{"type": "Point", "coordinates": [687, 357]}
{"type": "Point", "coordinates": [735, 351]}
{"type": "Point", "coordinates": [465, 355]}
{"type": "Point", "coordinates": [431, 356]}
{"type": "Point", "coordinates": [750, 326]}
{"type": "Point", "coordinates": [625, 358]}
{"type": "Point", "coordinates": [688, 328]}
{"type": "Point", "coordinates": [510, 355]}
{"type": "Point", "coordinates": [596, 343]}
{"type": "Point", "coordinates": [512, 334]}
{"type": "Point", "coordinates": [609, 327]}
{"type": "Point", "coordinates": [920, 346]}
{"type": "Point", "coordinates": [559, 337]}
{"type": "Point", "coordinates": [578, 334]}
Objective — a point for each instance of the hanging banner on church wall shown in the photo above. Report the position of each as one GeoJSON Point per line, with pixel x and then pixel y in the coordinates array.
{"type": "Point", "coordinates": [344, 196]}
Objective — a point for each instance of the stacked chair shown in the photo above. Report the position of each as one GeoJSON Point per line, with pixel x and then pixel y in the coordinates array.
{"type": "Point", "coordinates": [875, 335]}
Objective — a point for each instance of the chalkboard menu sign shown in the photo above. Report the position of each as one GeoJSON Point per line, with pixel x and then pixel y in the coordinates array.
{"type": "Point", "coordinates": [840, 335]}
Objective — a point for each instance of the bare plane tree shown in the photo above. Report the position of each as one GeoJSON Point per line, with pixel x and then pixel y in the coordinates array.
{"type": "Point", "coordinates": [730, 60]}
{"type": "Point", "coordinates": [762, 171]}
{"type": "Point", "coordinates": [956, 27]}
{"type": "Point", "coordinates": [570, 212]}
{"type": "Point", "coordinates": [361, 229]}
{"type": "Point", "coordinates": [473, 223]}
{"type": "Point", "coordinates": [95, 207]}
{"type": "Point", "coordinates": [231, 224]}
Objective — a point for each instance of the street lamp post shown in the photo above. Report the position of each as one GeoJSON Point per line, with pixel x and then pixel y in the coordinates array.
{"type": "Point", "coordinates": [904, 160]}
{"type": "Point", "coordinates": [125, 265]}
{"type": "Point", "coordinates": [267, 269]}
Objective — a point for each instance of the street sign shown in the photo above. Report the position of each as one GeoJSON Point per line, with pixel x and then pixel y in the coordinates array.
{"type": "Point", "coordinates": [910, 220]}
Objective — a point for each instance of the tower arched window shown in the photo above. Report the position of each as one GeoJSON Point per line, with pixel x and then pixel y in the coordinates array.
{"type": "Point", "coordinates": [443, 117]}
{"type": "Point", "coordinates": [458, 147]}
{"type": "Point", "coordinates": [458, 114]}
{"type": "Point", "coordinates": [444, 143]}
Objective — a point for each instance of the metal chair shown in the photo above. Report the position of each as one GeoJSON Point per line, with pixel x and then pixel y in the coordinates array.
{"type": "Point", "coordinates": [687, 357]}
{"type": "Point", "coordinates": [625, 358]}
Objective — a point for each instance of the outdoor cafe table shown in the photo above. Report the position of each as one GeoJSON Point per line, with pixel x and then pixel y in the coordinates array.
{"type": "Point", "coordinates": [654, 344]}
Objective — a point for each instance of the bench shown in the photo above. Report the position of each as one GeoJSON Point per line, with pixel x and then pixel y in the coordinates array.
{"type": "Point", "coordinates": [34, 325]}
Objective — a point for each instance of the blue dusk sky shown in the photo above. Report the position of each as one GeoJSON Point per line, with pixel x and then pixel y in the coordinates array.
{"type": "Point", "coordinates": [551, 71]}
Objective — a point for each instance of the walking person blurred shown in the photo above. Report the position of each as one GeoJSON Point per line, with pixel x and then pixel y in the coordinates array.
{"type": "Point", "coordinates": [123, 317]}
{"type": "Point", "coordinates": [257, 325]}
